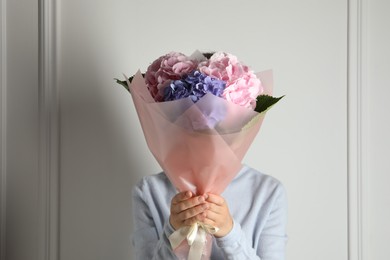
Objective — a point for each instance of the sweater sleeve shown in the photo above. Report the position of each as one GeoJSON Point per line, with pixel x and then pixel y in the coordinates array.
{"type": "Point", "coordinates": [272, 242]}
{"type": "Point", "coordinates": [148, 244]}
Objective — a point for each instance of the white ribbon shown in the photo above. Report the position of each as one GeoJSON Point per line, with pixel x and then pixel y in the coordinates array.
{"type": "Point", "coordinates": [196, 238]}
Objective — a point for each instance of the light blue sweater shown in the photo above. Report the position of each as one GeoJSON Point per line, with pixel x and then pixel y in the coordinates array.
{"type": "Point", "coordinates": [256, 201]}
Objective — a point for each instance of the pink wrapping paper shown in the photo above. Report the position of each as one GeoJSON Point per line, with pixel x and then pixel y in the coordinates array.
{"type": "Point", "coordinates": [203, 160]}
{"type": "Point", "coordinates": [197, 155]}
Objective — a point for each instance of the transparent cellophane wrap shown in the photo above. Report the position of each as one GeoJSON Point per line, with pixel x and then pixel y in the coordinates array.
{"type": "Point", "coordinates": [199, 145]}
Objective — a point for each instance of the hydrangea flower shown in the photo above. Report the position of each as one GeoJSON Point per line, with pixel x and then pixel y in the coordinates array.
{"type": "Point", "coordinates": [172, 66]}
{"type": "Point", "coordinates": [242, 85]}
{"type": "Point", "coordinates": [194, 85]}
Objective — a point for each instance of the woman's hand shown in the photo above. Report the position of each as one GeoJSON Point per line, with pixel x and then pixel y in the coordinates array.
{"type": "Point", "coordinates": [186, 209]}
{"type": "Point", "coordinates": [218, 215]}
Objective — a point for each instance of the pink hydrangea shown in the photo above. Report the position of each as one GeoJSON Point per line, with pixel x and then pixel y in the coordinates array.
{"type": "Point", "coordinates": [171, 66]}
{"type": "Point", "coordinates": [242, 85]}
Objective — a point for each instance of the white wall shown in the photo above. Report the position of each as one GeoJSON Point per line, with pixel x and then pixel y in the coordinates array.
{"type": "Point", "coordinates": [302, 142]}
{"type": "Point", "coordinates": [20, 129]}
{"type": "Point", "coordinates": [326, 141]}
{"type": "Point", "coordinates": [376, 167]}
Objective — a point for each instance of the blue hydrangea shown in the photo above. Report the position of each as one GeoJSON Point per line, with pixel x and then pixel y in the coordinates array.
{"type": "Point", "coordinates": [194, 85]}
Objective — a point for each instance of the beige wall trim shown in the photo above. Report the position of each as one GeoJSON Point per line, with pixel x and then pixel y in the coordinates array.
{"type": "Point", "coordinates": [356, 130]}
{"type": "Point", "coordinates": [3, 127]}
{"type": "Point", "coordinates": [49, 132]}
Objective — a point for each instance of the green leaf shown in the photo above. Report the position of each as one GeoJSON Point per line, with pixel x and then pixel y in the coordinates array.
{"type": "Point", "coordinates": [265, 102]}
{"type": "Point", "coordinates": [122, 82]}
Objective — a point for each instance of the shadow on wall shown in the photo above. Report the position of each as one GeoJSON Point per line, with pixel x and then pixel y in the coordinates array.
{"type": "Point", "coordinates": [103, 154]}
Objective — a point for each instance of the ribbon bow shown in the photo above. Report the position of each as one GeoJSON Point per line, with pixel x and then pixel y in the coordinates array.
{"type": "Point", "coordinates": [196, 238]}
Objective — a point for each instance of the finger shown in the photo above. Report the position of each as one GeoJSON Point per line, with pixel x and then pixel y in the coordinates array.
{"type": "Point", "coordinates": [187, 204]}
{"type": "Point", "coordinates": [215, 208]}
{"type": "Point", "coordinates": [213, 216]}
{"type": "Point", "coordinates": [209, 222]}
{"type": "Point", "coordinates": [182, 196]}
{"type": "Point", "coordinates": [198, 218]}
{"type": "Point", "coordinates": [212, 198]}
{"type": "Point", "coordinates": [192, 212]}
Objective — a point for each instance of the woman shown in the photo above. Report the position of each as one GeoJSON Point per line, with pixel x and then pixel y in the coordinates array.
{"type": "Point", "coordinates": [251, 215]}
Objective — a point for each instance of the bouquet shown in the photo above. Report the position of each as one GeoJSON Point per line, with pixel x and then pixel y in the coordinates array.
{"type": "Point", "coordinates": [199, 115]}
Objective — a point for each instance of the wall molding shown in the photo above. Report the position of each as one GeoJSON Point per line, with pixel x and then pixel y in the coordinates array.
{"type": "Point", "coordinates": [49, 132]}
{"type": "Point", "coordinates": [3, 127]}
{"type": "Point", "coordinates": [356, 132]}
